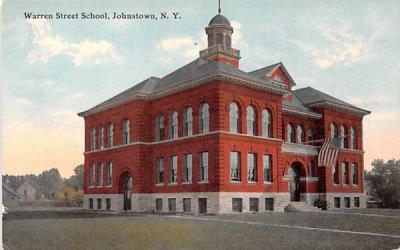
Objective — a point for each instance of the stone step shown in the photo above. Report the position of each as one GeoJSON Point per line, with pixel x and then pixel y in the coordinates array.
{"type": "Point", "coordinates": [300, 206]}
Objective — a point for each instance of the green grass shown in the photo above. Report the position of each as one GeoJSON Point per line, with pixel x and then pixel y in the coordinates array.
{"type": "Point", "coordinates": [162, 232]}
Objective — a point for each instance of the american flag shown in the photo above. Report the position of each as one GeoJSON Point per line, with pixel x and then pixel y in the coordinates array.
{"type": "Point", "coordinates": [329, 151]}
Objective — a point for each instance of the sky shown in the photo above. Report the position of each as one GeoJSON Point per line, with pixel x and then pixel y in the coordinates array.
{"type": "Point", "coordinates": [54, 68]}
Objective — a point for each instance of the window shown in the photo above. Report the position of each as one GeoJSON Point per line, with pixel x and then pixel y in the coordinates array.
{"type": "Point", "coordinates": [269, 204]}
{"type": "Point", "coordinates": [290, 133]}
{"type": "Point", "coordinates": [92, 175]}
{"type": "Point", "coordinates": [300, 134]}
{"type": "Point", "coordinates": [160, 128]}
{"type": "Point", "coordinates": [267, 169]}
{"type": "Point", "coordinates": [353, 139]}
{"type": "Point", "coordinates": [108, 204]}
{"type": "Point", "coordinates": [336, 202]}
{"type": "Point", "coordinates": [203, 166]}
{"type": "Point", "coordinates": [218, 38]}
{"type": "Point", "coordinates": [266, 124]}
{"type": "Point", "coordinates": [90, 203]}
{"type": "Point", "coordinates": [356, 201]}
{"type": "Point", "coordinates": [110, 135]}
{"type": "Point", "coordinates": [173, 166]}
{"type": "Point", "coordinates": [125, 132]}
{"type": "Point", "coordinates": [251, 121]}
{"type": "Point", "coordinates": [343, 137]}
{"type": "Point", "coordinates": [312, 168]}
{"type": "Point", "coordinates": [235, 166]}
{"type": "Point", "coordinates": [202, 205]}
{"type": "Point", "coordinates": [187, 164]}
{"type": "Point", "coordinates": [347, 202]}
{"type": "Point", "coordinates": [93, 139]}
{"type": "Point", "coordinates": [335, 174]}
{"type": "Point", "coordinates": [237, 205]}
{"type": "Point", "coordinates": [204, 119]}
{"type": "Point", "coordinates": [172, 204]}
{"type": "Point", "coordinates": [159, 205]}
{"type": "Point", "coordinates": [99, 204]}
{"type": "Point", "coordinates": [334, 132]}
{"type": "Point", "coordinates": [101, 138]}
{"type": "Point", "coordinates": [345, 173]}
{"type": "Point", "coordinates": [354, 172]}
{"type": "Point", "coordinates": [253, 204]}
{"type": "Point", "coordinates": [100, 175]}
{"type": "Point", "coordinates": [251, 167]}
{"type": "Point", "coordinates": [233, 118]}
{"type": "Point", "coordinates": [173, 125]}
{"type": "Point", "coordinates": [310, 135]}
{"type": "Point", "coordinates": [109, 174]}
{"type": "Point", "coordinates": [160, 171]}
{"type": "Point", "coordinates": [187, 205]}
{"type": "Point", "coordinates": [277, 78]}
{"type": "Point", "coordinates": [188, 122]}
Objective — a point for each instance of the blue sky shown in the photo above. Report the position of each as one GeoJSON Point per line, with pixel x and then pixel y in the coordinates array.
{"type": "Point", "coordinates": [53, 69]}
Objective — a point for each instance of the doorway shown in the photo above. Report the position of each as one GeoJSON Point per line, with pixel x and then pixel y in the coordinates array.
{"type": "Point", "coordinates": [127, 191]}
{"type": "Point", "coordinates": [294, 183]}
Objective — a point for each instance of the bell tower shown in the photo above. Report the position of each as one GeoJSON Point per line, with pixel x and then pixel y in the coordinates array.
{"type": "Point", "coordinates": [219, 32]}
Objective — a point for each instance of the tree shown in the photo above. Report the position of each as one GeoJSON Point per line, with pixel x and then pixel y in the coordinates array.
{"type": "Point", "coordinates": [76, 180]}
{"type": "Point", "coordinates": [384, 182]}
{"type": "Point", "coordinates": [68, 196]}
{"type": "Point", "coordinates": [50, 181]}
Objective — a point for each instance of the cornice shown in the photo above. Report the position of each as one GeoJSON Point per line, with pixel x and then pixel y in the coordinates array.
{"type": "Point", "coordinates": [301, 113]}
{"type": "Point", "coordinates": [338, 106]}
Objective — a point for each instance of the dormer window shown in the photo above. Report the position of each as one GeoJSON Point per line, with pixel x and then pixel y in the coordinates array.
{"type": "Point", "coordinates": [277, 78]}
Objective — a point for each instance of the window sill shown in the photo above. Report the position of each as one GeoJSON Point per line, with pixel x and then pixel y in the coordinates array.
{"type": "Point", "coordinates": [252, 182]}
{"type": "Point", "coordinates": [186, 183]}
{"type": "Point", "coordinates": [108, 186]}
{"type": "Point", "coordinates": [267, 183]}
{"type": "Point", "coordinates": [236, 182]}
{"type": "Point", "coordinates": [91, 186]}
{"type": "Point", "coordinates": [172, 184]}
{"type": "Point", "coordinates": [202, 182]}
{"type": "Point", "coordinates": [355, 185]}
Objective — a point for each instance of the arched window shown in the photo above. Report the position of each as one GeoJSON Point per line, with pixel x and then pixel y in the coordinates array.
{"type": "Point", "coordinates": [251, 121]}
{"type": "Point", "coordinates": [210, 40]}
{"type": "Point", "coordinates": [188, 122]}
{"type": "Point", "coordinates": [173, 125]}
{"type": "Point", "coordinates": [310, 134]}
{"type": "Point", "coordinates": [204, 118]}
{"type": "Point", "coordinates": [125, 132]}
{"type": "Point", "coordinates": [300, 134]}
{"type": "Point", "coordinates": [233, 118]}
{"type": "Point", "coordinates": [334, 131]}
{"type": "Point", "coordinates": [343, 136]}
{"type": "Point", "coordinates": [353, 138]}
{"type": "Point", "coordinates": [290, 133]}
{"type": "Point", "coordinates": [160, 128]}
{"type": "Point", "coordinates": [110, 135]}
{"type": "Point", "coordinates": [93, 139]}
{"type": "Point", "coordinates": [218, 38]}
{"type": "Point", "coordinates": [101, 138]}
{"type": "Point", "coordinates": [266, 123]}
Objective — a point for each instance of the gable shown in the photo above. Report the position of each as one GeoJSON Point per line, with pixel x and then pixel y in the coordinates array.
{"type": "Point", "coordinates": [280, 74]}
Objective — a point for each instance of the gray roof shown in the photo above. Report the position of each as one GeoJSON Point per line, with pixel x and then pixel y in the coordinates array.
{"type": "Point", "coordinates": [10, 190]}
{"type": "Point", "coordinates": [197, 69]}
{"type": "Point", "coordinates": [266, 71]}
{"type": "Point", "coordinates": [219, 19]}
{"type": "Point", "coordinates": [295, 103]}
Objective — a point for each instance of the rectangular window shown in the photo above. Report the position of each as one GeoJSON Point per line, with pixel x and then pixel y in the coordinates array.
{"type": "Point", "coordinates": [93, 139]}
{"type": "Point", "coordinates": [99, 203]}
{"type": "Point", "coordinates": [267, 168]}
{"type": "Point", "coordinates": [187, 205]}
{"type": "Point", "coordinates": [90, 203]}
{"type": "Point", "coordinates": [100, 175]}
{"type": "Point", "coordinates": [92, 176]}
{"type": "Point", "coordinates": [354, 172]}
{"type": "Point", "coordinates": [159, 205]}
{"type": "Point", "coordinates": [160, 171]}
{"type": "Point", "coordinates": [173, 166]}
{"type": "Point", "coordinates": [345, 173]}
{"type": "Point", "coordinates": [312, 168]}
{"type": "Point", "coordinates": [202, 205]}
{"type": "Point", "coordinates": [171, 204]}
{"type": "Point", "coordinates": [253, 204]}
{"type": "Point", "coordinates": [203, 166]}
{"type": "Point", "coordinates": [109, 174]}
{"type": "Point", "coordinates": [269, 204]}
{"type": "Point", "coordinates": [336, 202]}
{"type": "Point", "coordinates": [187, 165]}
{"type": "Point", "coordinates": [335, 174]}
{"type": "Point", "coordinates": [356, 201]}
{"type": "Point", "coordinates": [110, 136]}
{"type": "Point", "coordinates": [108, 204]}
{"type": "Point", "coordinates": [235, 166]}
{"type": "Point", "coordinates": [347, 202]}
{"type": "Point", "coordinates": [251, 167]}
{"type": "Point", "coordinates": [101, 138]}
{"type": "Point", "coordinates": [237, 204]}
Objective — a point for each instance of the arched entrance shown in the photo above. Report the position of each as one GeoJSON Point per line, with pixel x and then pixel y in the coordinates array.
{"type": "Point", "coordinates": [296, 170]}
{"type": "Point", "coordinates": [126, 189]}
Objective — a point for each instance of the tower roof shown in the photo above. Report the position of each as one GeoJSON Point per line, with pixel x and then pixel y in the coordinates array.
{"type": "Point", "coordinates": [219, 19]}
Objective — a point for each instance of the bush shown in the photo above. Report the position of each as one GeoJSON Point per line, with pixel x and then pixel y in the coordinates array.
{"type": "Point", "coordinates": [68, 197]}
{"type": "Point", "coordinates": [320, 203]}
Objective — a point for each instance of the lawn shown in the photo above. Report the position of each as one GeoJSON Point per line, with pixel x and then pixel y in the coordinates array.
{"type": "Point", "coordinates": [74, 230]}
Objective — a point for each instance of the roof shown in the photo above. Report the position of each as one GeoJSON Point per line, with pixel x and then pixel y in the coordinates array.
{"type": "Point", "coordinates": [219, 19]}
{"type": "Point", "coordinates": [196, 70]}
{"type": "Point", "coordinates": [266, 71]}
{"type": "Point", "coordinates": [295, 105]}
{"type": "Point", "coordinates": [311, 97]}
{"type": "Point", "coordinates": [11, 191]}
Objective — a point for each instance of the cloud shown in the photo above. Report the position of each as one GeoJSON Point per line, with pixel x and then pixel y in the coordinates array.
{"type": "Point", "coordinates": [47, 45]}
{"type": "Point", "coordinates": [182, 46]}
{"type": "Point", "coordinates": [21, 102]}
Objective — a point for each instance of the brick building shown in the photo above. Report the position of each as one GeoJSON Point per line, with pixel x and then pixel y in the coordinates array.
{"type": "Point", "coordinates": [211, 138]}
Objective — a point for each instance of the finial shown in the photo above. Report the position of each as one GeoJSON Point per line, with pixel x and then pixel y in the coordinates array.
{"type": "Point", "coordinates": [219, 6]}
